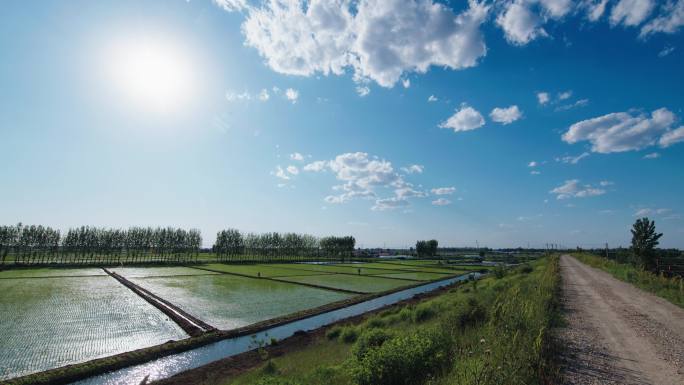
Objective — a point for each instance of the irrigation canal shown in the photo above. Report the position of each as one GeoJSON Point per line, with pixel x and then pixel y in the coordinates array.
{"type": "Point", "coordinates": [168, 366]}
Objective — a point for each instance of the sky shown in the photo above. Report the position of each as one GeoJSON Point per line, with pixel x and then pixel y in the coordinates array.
{"type": "Point", "coordinates": [490, 123]}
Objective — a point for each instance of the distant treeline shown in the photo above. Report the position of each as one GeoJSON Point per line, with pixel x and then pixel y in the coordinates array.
{"type": "Point", "coordinates": [232, 245]}
{"type": "Point", "coordinates": [86, 244]}
{"type": "Point", "coordinates": [29, 245]}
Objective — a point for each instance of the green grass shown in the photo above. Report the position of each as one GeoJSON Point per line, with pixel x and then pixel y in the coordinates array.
{"type": "Point", "coordinates": [46, 323]}
{"type": "Point", "coordinates": [265, 270]}
{"type": "Point", "coordinates": [420, 276]}
{"type": "Point", "coordinates": [672, 289]}
{"type": "Point", "coordinates": [365, 284]}
{"type": "Point", "coordinates": [495, 331]}
{"type": "Point", "coordinates": [381, 265]}
{"type": "Point", "coordinates": [229, 302]}
{"type": "Point", "coordinates": [343, 269]}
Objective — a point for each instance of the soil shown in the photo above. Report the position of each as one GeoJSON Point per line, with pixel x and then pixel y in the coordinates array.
{"type": "Point", "coordinates": [617, 333]}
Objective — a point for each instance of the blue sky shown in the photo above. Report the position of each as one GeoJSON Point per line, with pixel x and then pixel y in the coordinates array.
{"type": "Point", "coordinates": [507, 123]}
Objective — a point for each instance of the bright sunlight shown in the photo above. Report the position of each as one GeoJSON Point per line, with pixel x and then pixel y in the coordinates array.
{"type": "Point", "coordinates": [153, 74]}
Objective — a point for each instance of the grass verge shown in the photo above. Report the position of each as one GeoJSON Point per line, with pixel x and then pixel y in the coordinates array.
{"type": "Point", "coordinates": [672, 289]}
{"type": "Point", "coordinates": [495, 331]}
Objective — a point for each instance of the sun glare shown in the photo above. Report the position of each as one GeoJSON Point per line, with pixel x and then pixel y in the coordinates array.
{"type": "Point", "coordinates": [152, 74]}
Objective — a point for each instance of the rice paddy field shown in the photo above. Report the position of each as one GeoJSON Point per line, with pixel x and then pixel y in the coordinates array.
{"type": "Point", "coordinates": [52, 317]}
{"type": "Point", "coordinates": [228, 301]}
{"type": "Point", "coordinates": [51, 322]}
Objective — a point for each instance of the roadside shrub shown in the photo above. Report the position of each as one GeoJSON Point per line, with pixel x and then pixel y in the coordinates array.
{"type": "Point", "coordinates": [270, 368]}
{"type": "Point", "coordinates": [525, 269]}
{"type": "Point", "coordinates": [391, 320]}
{"type": "Point", "coordinates": [369, 339]}
{"type": "Point", "coordinates": [405, 360]}
{"type": "Point", "coordinates": [375, 322]}
{"type": "Point", "coordinates": [406, 313]}
{"type": "Point", "coordinates": [333, 333]}
{"type": "Point", "coordinates": [499, 271]}
{"type": "Point", "coordinates": [422, 313]}
{"type": "Point", "coordinates": [276, 381]}
{"type": "Point", "coordinates": [348, 334]}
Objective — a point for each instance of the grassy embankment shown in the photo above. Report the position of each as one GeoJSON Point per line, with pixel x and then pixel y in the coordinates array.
{"type": "Point", "coordinates": [495, 331]}
{"type": "Point", "coordinates": [672, 289]}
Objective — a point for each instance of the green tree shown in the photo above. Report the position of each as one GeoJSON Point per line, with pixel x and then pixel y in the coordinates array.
{"type": "Point", "coordinates": [644, 242]}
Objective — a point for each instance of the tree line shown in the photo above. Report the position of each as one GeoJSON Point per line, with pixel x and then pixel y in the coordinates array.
{"type": "Point", "coordinates": [30, 245]}
{"type": "Point", "coordinates": [232, 245]}
{"type": "Point", "coordinates": [426, 248]}
{"type": "Point", "coordinates": [86, 244]}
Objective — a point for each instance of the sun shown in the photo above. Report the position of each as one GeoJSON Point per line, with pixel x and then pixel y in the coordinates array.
{"type": "Point", "coordinates": [151, 73]}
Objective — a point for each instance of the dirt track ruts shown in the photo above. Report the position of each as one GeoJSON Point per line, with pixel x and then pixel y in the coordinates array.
{"type": "Point", "coordinates": [617, 333]}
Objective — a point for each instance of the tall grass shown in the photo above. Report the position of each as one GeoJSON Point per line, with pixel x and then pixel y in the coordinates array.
{"type": "Point", "coordinates": [672, 289]}
{"type": "Point", "coordinates": [497, 331]}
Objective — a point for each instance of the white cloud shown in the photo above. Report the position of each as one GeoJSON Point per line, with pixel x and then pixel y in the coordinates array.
{"type": "Point", "coordinates": [362, 176]}
{"type": "Point", "coordinates": [297, 156]}
{"type": "Point", "coordinates": [292, 170]}
{"type": "Point", "coordinates": [369, 37]}
{"type": "Point", "coordinates": [232, 96]}
{"type": "Point", "coordinates": [630, 12]}
{"type": "Point", "coordinates": [535, 172]}
{"type": "Point", "coordinates": [653, 155]}
{"type": "Point", "coordinates": [649, 211]}
{"type": "Point", "coordinates": [316, 166]}
{"type": "Point", "coordinates": [413, 169]}
{"type": "Point", "coordinates": [443, 190]}
{"type": "Point", "coordinates": [406, 83]}
{"type": "Point", "coordinates": [670, 19]}
{"type": "Point", "coordinates": [464, 119]}
{"type": "Point", "coordinates": [432, 98]}
{"type": "Point", "coordinates": [672, 137]}
{"type": "Point", "coordinates": [573, 159]}
{"type": "Point", "coordinates": [622, 131]}
{"type": "Point", "coordinates": [532, 164]}
{"type": "Point", "coordinates": [565, 95]}
{"type": "Point", "coordinates": [595, 8]}
{"type": "Point", "coordinates": [522, 20]}
{"type": "Point", "coordinates": [292, 95]}
{"type": "Point", "coordinates": [520, 24]}
{"type": "Point", "coordinates": [578, 103]}
{"type": "Point", "coordinates": [389, 204]}
{"type": "Point", "coordinates": [505, 115]}
{"type": "Point", "coordinates": [263, 95]}
{"type": "Point", "coordinates": [280, 173]}
{"type": "Point", "coordinates": [572, 189]}
{"type": "Point", "coordinates": [543, 98]}
{"type": "Point", "coordinates": [605, 183]}
{"type": "Point", "coordinates": [667, 49]}
{"type": "Point", "coordinates": [441, 202]}
{"type": "Point", "coordinates": [362, 90]}
{"type": "Point", "coordinates": [232, 5]}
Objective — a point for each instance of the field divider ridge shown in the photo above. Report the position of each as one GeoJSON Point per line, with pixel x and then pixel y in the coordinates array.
{"type": "Point", "coordinates": [189, 323]}
{"type": "Point", "coordinates": [284, 281]}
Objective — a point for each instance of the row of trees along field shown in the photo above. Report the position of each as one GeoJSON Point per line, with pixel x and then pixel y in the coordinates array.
{"type": "Point", "coordinates": [232, 245]}
{"type": "Point", "coordinates": [426, 248]}
{"type": "Point", "coordinates": [83, 245]}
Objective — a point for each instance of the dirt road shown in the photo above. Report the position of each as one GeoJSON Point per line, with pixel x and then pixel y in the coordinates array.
{"type": "Point", "coordinates": [616, 333]}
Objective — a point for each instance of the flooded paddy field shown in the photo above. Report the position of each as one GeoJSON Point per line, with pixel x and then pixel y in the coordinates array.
{"type": "Point", "coordinates": [47, 323]}
{"type": "Point", "coordinates": [228, 301]}
{"type": "Point", "coordinates": [52, 317]}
